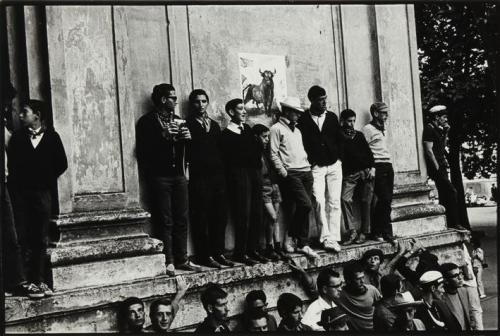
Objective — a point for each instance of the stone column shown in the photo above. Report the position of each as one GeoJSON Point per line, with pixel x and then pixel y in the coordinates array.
{"type": "Point", "coordinates": [386, 45]}
{"type": "Point", "coordinates": [100, 238]}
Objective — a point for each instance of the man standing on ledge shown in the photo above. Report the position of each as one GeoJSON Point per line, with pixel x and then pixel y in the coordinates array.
{"type": "Point", "coordinates": [323, 142]}
{"type": "Point", "coordinates": [376, 136]}
{"type": "Point", "coordinates": [434, 139]}
{"type": "Point", "coordinates": [161, 137]}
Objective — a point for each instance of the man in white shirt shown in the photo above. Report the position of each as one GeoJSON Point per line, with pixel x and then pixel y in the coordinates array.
{"type": "Point", "coordinates": [376, 136]}
{"type": "Point", "coordinates": [329, 285]}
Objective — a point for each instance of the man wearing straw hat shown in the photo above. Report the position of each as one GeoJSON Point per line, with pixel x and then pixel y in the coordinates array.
{"type": "Point", "coordinates": [290, 160]}
{"type": "Point", "coordinates": [404, 307]}
{"type": "Point", "coordinates": [334, 319]}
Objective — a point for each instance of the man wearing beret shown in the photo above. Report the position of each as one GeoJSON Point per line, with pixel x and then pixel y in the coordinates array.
{"type": "Point", "coordinates": [323, 142]}
{"type": "Point", "coordinates": [434, 313]}
{"type": "Point", "coordinates": [376, 136]}
{"type": "Point", "coordinates": [434, 139]}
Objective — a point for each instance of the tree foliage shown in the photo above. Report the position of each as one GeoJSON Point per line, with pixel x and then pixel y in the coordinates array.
{"type": "Point", "coordinates": [458, 51]}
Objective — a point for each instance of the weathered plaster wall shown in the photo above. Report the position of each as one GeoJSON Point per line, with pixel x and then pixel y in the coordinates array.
{"type": "Point", "coordinates": [303, 34]}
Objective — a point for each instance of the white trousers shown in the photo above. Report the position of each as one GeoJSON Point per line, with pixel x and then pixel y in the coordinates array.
{"type": "Point", "coordinates": [327, 189]}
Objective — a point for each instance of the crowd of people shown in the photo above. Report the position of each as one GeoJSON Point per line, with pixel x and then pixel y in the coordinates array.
{"type": "Point", "coordinates": [367, 296]}
{"type": "Point", "coordinates": [309, 163]}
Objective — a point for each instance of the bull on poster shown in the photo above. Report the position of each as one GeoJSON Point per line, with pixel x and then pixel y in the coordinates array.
{"type": "Point", "coordinates": [263, 85]}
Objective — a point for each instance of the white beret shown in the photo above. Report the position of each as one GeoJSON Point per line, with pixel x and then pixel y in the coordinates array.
{"type": "Point", "coordinates": [430, 276]}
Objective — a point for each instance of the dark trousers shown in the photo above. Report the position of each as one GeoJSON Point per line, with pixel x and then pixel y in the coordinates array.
{"type": "Point", "coordinates": [245, 197]}
{"type": "Point", "coordinates": [13, 263]}
{"type": "Point", "coordinates": [384, 185]}
{"type": "Point", "coordinates": [170, 216]}
{"type": "Point", "coordinates": [447, 196]}
{"type": "Point", "coordinates": [208, 214]}
{"type": "Point", "coordinates": [297, 193]}
{"type": "Point", "coordinates": [32, 212]}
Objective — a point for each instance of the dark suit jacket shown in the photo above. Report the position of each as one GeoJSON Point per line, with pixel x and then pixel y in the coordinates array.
{"type": "Point", "coordinates": [464, 299]}
{"type": "Point", "coordinates": [450, 322]}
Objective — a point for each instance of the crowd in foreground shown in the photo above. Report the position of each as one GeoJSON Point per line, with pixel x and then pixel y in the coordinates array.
{"type": "Point", "coordinates": [368, 295]}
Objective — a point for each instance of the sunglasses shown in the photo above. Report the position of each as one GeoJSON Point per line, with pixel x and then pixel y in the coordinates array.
{"type": "Point", "coordinates": [456, 275]}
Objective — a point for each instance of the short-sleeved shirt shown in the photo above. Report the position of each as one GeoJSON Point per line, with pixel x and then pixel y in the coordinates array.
{"type": "Point", "coordinates": [360, 308]}
{"type": "Point", "coordinates": [437, 137]}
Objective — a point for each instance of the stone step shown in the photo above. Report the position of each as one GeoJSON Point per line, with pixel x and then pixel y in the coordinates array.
{"type": "Point", "coordinates": [93, 309]}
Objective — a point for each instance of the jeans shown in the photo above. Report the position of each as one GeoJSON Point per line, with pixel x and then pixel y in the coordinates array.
{"type": "Point", "coordinates": [13, 262]}
{"type": "Point", "coordinates": [297, 191]}
{"type": "Point", "coordinates": [383, 189]}
{"type": "Point", "coordinates": [327, 188]}
{"type": "Point", "coordinates": [208, 214]}
{"type": "Point", "coordinates": [349, 185]}
{"type": "Point", "coordinates": [447, 196]}
{"type": "Point", "coordinates": [245, 196]}
{"type": "Point", "coordinates": [170, 216]}
{"type": "Point", "coordinates": [32, 212]}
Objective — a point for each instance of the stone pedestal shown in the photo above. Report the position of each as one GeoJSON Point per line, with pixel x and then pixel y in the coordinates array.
{"type": "Point", "coordinates": [102, 248]}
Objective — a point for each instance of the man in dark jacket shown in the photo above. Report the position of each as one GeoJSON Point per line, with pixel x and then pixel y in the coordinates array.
{"type": "Point", "coordinates": [434, 139]}
{"type": "Point", "coordinates": [214, 300]}
{"type": "Point", "coordinates": [323, 142]}
{"type": "Point", "coordinates": [434, 313]}
{"type": "Point", "coordinates": [36, 158]}
{"type": "Point", "coordinates": [358, 171]}
{"type": "Point", "coordinates": [207, 184]}
{"type": "Point", "coordinates": [161, 137]}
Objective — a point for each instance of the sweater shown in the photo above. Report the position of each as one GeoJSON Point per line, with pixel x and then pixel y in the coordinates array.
{"type": "Point", "coordinates": [357, 154]}
{"type": "Point", "coordinates": [287, 150]}
{"type": "Point", "coordinates": [35, 168]}
{"type": "Point", "coordinates": [377, 140]}
{"type": "Point", "coordinates": [158, 156]}
{"type": "Point", "coordinates": [203, 151]}
{"type": "Point", "coordinates": [240, 150]}
{"type": "Point", "coordinates": [324, 147]}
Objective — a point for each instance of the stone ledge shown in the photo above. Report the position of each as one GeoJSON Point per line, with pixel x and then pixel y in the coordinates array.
{"type": "Point", "coordinates": [104, 249]}
{"type": "Point", "coordinates": [405, 212]}
{"type": "Point", "coordinates": [411, 189]}
{"type": "Point", "coordinates": [20, 310]}
{"type": "Point", "coordinates": [78, 228]}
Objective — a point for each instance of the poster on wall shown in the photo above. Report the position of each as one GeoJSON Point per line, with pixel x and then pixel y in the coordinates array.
{"type": "Point", "coordinates": [263, 85]}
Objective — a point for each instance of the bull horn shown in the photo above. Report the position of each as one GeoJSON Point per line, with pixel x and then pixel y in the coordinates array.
{"type": "Point", "coordinates": [260, 71]}
{"type": "Point", "coordinates": [274, 71]}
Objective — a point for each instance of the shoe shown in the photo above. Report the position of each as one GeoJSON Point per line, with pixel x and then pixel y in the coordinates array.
{"type": "Point", "coordinates": [308, 252]}
{"type": "Point", "coordinates": [259, 257]}
{"type": "Point", "coordinates": [331, 245]}
{"type": "Point", "coordinates": [28, 289]}
{"type": "Point", "coordinates": [390, 238]}
{"type": "Point", "coordinates": [289, 245]}
{"type": "Point", "coordinates": [170, 270]}
{"type": "Point", "coordinates": [210, 262]}
{"type": "Point", "coordinates": [7, 294]}
{"type": "Point", "coordinates": [483, 296]}
{"type": "Point", "coordinates": [460, 228]}
{"type": "Point", "coordinates": [378, 238]}
{"type": "Point", "coordinates": [361, 239]}
{"type": "Point", "coordinates": [189, 266]}
{"type": "Point", "coordinates": [271, 255]}
{"type": "Point", "coordinates": [45, 289]}
{"type": "Point", "coordinates": [224, 261]}
{"type": "Point", "coordinates": [245, 259]}
{"type": "Point", "coordinates": [352, 237]}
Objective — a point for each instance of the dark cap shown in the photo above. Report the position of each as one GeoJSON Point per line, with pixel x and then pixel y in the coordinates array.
{"type": "Point", "coordinates": [315, 92]}
{"type": "Point", "coordinates": [370, 253]}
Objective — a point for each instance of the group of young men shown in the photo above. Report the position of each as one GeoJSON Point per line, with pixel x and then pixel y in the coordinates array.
{"type": "Point", "coordinates": [369, 296]}
{"type": "Point", "coordinates": [307, 158]}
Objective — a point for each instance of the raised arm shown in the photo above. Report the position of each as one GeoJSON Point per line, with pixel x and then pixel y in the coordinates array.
{"type": "Point", "coordinates": [182, 288]}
